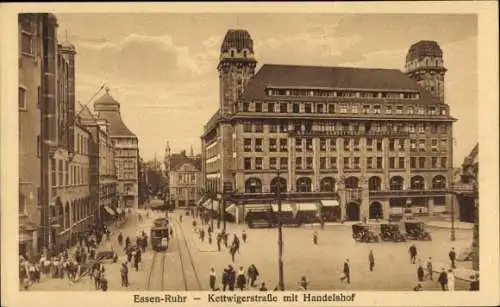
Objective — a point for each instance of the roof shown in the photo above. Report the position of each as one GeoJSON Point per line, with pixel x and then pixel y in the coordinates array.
{"type": "Point", "coordinates": [271, 75]}
{"type": "Point", "coordinates": [423, 49]}
{"type": "Point", "coordinates": [84, 112]}
{"type": "Point", "coordinates": [472, 156]}
{"type": "Point", "coordinates": [238, 39]}
{"type": "Point", "coordinates": [108, 108]}
{"type": "Point", "coordinates": [178, 160]}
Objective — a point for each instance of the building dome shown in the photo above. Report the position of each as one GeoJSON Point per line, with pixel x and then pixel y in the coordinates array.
{"type": "Point", "coordinates": [67, 45]}
{"type": "Point", "coordinates": [108, 108]}
{"type": "Point", "coordinates": [237, 39]}
{"type": "Point", "coordinates": [106, 101]}
{"type": "Point", "coordinates": [424, 49]}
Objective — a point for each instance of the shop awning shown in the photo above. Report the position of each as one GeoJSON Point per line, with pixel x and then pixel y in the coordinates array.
{"type": "Point", "coordinates": [330, 203]}
{"type": "Point", "coordinates": [200, 201]}
{"type": "Point", "coordinates": [109, 210]}
{"type": "Point", "coordinates": [207, 204]}
{"type": "Point", "coordinates": [307, 207]}
{"type": "Point", "coordinates": [231, 209]}
{"type": "Point", "coordinates": [284, 207]}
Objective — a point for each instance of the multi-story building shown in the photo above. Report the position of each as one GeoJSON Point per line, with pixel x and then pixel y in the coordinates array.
{"type": "Point", "coordinates": [126, 150]}
{"type": "Point", "coordinates": [352, 142]}
{"type": "Point", "coordinates": [103, 182]}
{"type": "Point", "coordinates": [30, 82]}
{"type": "Point", "coordinates": [184, 177]}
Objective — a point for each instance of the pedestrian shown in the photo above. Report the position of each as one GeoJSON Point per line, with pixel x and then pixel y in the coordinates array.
{"type": "Point", "coordinates": [429, 268]}
{"type": "Point", "coordinates": [138, 255]}
{"type": "Point", "coordinates": [420, 272]}
{"type": "Point", "coordinates": [97, 279]}
{"type": "Point", "coordinates": [244, 236]}
{"type": "Point", "coordinates": [225, 237]}
{"type": "Point", "coordinates": [451, 280]}
{"type": "Point", "coordinates": [322, 223]}
{"type": "Point", "coordinates": [232, 251]}
{"type": "Point", "coordinates": [236, 243]}
{"type": "Point", "coordinates": [180, 218]}
{"type": "Point", "coordinates": [443, 280]}
{"type": "Point", "coordinates": [212, 279]}
{"type": "Point", "coordinates": [315, 237]}
{"type": "Point", "coordinates": [304, 283]}
{"type": "Point", "coordinates": [124, 274]}
{"type": "Point", "coordinates": [210, 238]}
{"type": "Point", "coordinates": [263, 287]}
{"type": "Point", "coordinates": [127, 242]}
{"type": "Point", "coordinates": [253, 274]}
{"type": "Point", "coordinates": [413, 253]}
{"type": "Point", "coordinates": [452, 256]}
{"type": "Point", "coordinates": [129, 255]}
{"type": "Point", "coordinates": [371, 259]}
{"type": "Point", "coordinates": [232, 278]}
{"type": "Point", "coordinates": [104, 282]}
{"type": "Point", "coordinates": [225, 279]}
{"type": "Point", "coordinates": [120, 239]}
{"type": "Point", "coordinates": [241, 280]}
{"type": "Point", "coordinates": [474, 283]}
{"type": "Point", "coordinates": [347, 272]}
{"type": "Point", "coordinates": [202, 235]}
{"type": "Point", "coordinates": [171, 231]}
{"type": "Point", "coordinates": [219, 239]}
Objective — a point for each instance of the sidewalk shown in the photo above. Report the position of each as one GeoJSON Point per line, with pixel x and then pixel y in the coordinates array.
{"type": "Point", "coordinates": [460, 272]}
{"type": "Point", "coordinates": [447, 224]}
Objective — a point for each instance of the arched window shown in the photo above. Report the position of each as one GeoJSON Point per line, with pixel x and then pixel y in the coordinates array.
{"type": "Point", "coordinates": [351, 183]}
{"type": "Point", "coordinates": [439, 182]}
{"type": "Point", "coordinates": [253, 185]}
{"type": "Point", "coordinates": [374, 183]}
{"type": "Point", "coordinates": [327, 184]}
{"type": "Point", "coordinates": [304, 184]}
{"type": "Point", "coordinates": [417, 183]}
{"type": "Point", "coordinates": [278, 181]}
{"type": "Point", "coordinates": [396, 183]}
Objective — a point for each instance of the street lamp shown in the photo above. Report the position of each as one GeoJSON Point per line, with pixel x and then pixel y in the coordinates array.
{"type": "Point", "coordinates": [281, 283]}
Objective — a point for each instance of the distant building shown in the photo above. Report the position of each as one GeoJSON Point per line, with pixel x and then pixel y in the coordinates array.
{"type": "Point", "coordinates": [126, 145]}
{"type": "Point", "coordinates": [184, 177]}
{"type": "Point", "coordinates": [350, 142]}
{"type": "Point", "coordinates": [466, 189]}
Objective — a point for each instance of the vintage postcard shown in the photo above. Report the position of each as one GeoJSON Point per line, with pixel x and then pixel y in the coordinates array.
{"type": "Point", "coordinates": [284, 154]}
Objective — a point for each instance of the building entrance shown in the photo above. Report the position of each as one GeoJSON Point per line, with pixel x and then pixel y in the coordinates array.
{"type": "Point", "coordinates": [352, 211]}
{"type": "Point", "coordinates": [376, 211]}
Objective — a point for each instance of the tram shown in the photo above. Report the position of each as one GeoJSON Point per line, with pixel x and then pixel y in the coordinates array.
{"type": "Point", "coordinates": [160, 234]}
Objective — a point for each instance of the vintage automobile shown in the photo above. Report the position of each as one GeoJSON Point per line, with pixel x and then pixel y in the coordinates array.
{"type": "Point", "coordinates": [391, 232]}
{"type": "Point", "coordinates": [362, 233]}
{"type": "Point", "coordinates": [415, 230]}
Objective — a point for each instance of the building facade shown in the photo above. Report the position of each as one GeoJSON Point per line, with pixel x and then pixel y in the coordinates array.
{"type": "Point", "coordinates": [126, 150]}
{"type": "Point", "coordinates": [184, 178]}
{"type": "Point", "coordinates": [371, 143]}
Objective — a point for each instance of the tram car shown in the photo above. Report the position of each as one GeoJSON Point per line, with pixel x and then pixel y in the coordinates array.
{"type": "Point", "coordinates": [160, 234]}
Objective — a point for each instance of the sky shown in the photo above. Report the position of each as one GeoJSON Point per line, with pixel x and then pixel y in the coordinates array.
{"type": "Point", "coordinates": [162, 67]}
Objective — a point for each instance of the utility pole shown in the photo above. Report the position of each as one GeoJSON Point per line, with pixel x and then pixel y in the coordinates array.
{"type": "Point", "coordinates": [452, 235]}
{"type": "Point", "coordinates": [280, 236]}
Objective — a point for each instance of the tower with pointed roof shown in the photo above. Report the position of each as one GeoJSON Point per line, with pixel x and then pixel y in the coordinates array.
{"type": "Point", "coordinates": [425, 65]}
{"type": "Point", "coordinates": [126, 145]}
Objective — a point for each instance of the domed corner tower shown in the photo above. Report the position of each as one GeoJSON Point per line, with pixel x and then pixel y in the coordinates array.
{"type": "Point", "coordinates": [236, 66]}
{"type": "Point", "coordinates": [424, 64]}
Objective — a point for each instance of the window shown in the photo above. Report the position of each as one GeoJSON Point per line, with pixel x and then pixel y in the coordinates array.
{"type": "Point", "coordinates": [246, 107]}
{"type": "Point", "coordinates": [399, 110]}
{"type": "Point", "coordinates": [410, 110]}
{"type": "Point", "coordinates": [399, 144]}
{"type": "Point", "coordinates": [298, 163]}
{"type": "Point", "coordinates": [388, 110]}
{"type": "Point", "coordinates": [432, 111]}
{"type": "Point", "coordinates": [434, 162]}
{"type": "Point", "coordinates": [413, 162]}
{"type": "Point", "coordinates": [421, 162]}
{"type": "Point", "coordinates": [309, 162]}
{"type": "Point", "coordinates": [434, 145]}
{"type": "Point", "coordinates": [420, 128]}
{"type": "Point", "coordinates": [298, 145]}
{"type": "Point", "coordinates": [273, 128]}
{"type": "Point", "coordinates": [259, 127]}
{"type": "Point", "coordinates": [284, 145]}
{"type": "Point", "coordinates": [346, 163]}
{"type": "Point", "coordinates": [354, 109]}
{"type": "Point", "coordinates": [369, 162]}
{"type": "Point", "coordinates": [379, 145]}
{"type": "Point", "coordinates": [272, 162]}
{"type": "Point", "coordinates": [391, 144]}
{"type": "Point", "coordinates": [307, 108]}
{"type": "Point", "coordinates": [420, 111]}
{"type": "Point", "coordinates": [333, 162]}
{"type": "Point", "coordinates": [356, 144]}
{"type": "Point", "coordinates": [443, 145]}
{"type": "Point", "coordinates": [66, 173]}
{"type": "Point", "coordinates": [421, 146]}
{"type": "Point", "coordinates": [443, 111]}
{"type": "Point", "coordinates": [444, 162]}
{"type": "Point", "coordinates": [270, 107]}
{"type": "Point", "coordinates": [248, 163]}
{"type": "Point", "coordinates": [356, 162]}
{"type": "Point", "coordinates": [54, 172]}
{"type": "Point", "coordinates": [247, 145]}
{"type": "Point", "coordinates": [433, 128]}
{"type": "Point", "coordinates": [283, 107]}
{"type": "Point", "coordinates": [333, 144]}
{"type": "Point", "coordinates": [444, 128]}
{"type": "Point", "coordinates": [309, 145]}
{"type": "Point", "coordinates": [379, 162]}
{"type": "Point", "coordinates": [343, 109]}
{"type": "Point", "coordinates": [413, 145]}
{"type": "Point", "coordinates": [369, 144]}
{"type": "Point", "coordinates": [296, 108]}
{"type": "Point", "coordinates": [258, 145]}
{"type": "Point", "coordinates": [258, 163]}
{"type": "Point", "coordinates": [346, 145]}
{"type": "Point", "coordinates": [23, 103]}
{"type": "Point", "coordinates": [411, 128]}
{"type": "Point", "coordinates": [366, 109]}
{"type": "Point", "coordinates": [401, 162]}
{"type": "Point", "coordinates": [258, 107]}
{"type": "Point", "coordinates": [391, 162]}
{"type": "Point", "coordinates": [273, 145]}
{"type": "Point", "coordinates": [247, 127]}
{"type": "Point", "coordinates": [376, 109]}
{"type": "Point", "coordinates": [319, 108]}
{"type": "Point", "coordinates": [27, 36]}
{"type": "Point", "coordinates": [283, 163]}
{"type": "Point", "coordinates": [331, 108]}
{"type": "Point", "coordinates": [322, 162]}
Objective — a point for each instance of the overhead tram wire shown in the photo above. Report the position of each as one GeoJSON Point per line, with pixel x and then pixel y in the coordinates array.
{"type": "Point", "coordinates": [85, 105]}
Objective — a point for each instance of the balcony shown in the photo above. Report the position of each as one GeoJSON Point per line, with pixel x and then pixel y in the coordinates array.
{"type": "Point", "coordinates": [410, 193]}
{"type": "Point", "coordinates": [344, 133]}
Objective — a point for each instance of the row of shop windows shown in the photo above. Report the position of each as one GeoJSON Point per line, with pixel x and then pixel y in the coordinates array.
{"type": "Point", "coordinates": [63, 174]}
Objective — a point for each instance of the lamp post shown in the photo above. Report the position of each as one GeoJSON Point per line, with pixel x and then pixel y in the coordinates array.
{"type": "Point", "coordinates": [452, 234]}
{"type": "Point", "coordinates": [281, 283]}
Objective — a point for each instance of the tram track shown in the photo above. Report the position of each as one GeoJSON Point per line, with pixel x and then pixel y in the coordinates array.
{"type": "Point", "coordinates": [154, 270]}
{"type": "Point", "coordinates": [183, 262]}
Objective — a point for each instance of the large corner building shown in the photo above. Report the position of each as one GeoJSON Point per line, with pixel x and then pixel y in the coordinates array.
{"type": "Point", "coordinates": [352, 142]}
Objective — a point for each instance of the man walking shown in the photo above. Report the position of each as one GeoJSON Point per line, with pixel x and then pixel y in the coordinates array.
{"type": "Point", "coordinates": [371, 259]}
{"type": "Point", "coordinates": [413, 253]}
{"type": "Point", "coordinates": [347, 272]}
{"type": "Point", "coordinates": [453, 257]}
{"type": "Point", "coordinates": [212, 279]}
{"type": "Point", "coordinates": [429, 268]}
{"type": "Point", "coordinates": [253, 273]}
{"type": "Point", "coordinates": [124, 274]}
{"type": "Point", "coordinates": [420, 272]}
{"type": "Point", "coordinates": [443, 280]}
